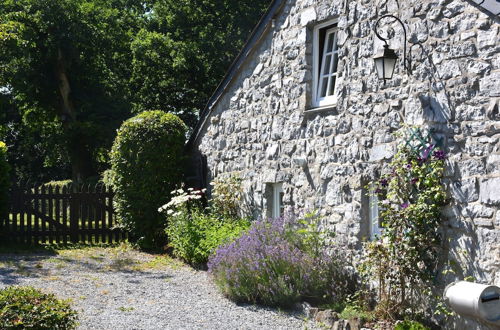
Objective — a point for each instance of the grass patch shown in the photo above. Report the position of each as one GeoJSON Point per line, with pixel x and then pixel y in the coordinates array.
{"type": "Point", "coordinates": [126, 309]}
{"type": "Point", "coordinates": [160, 262]}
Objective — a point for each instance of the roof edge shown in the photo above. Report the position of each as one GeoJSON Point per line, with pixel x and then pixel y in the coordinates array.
{"type": "Point", "coordinates": [254, 38]}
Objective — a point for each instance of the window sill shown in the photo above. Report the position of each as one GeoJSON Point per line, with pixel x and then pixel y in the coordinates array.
{"type": "Point", "coordinates": [325, 108]}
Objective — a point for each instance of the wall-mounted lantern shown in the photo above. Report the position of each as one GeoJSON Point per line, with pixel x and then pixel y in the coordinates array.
{"type": "Point", "coordinates": [385, 60]}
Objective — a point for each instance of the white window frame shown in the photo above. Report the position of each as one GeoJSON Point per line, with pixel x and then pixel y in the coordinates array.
{"type": "Point", "coordinates": [317, 71]}
{"type": "Point", "coordinates": [373, 216]}
{"type": "Point", "coordinates": [277, 209]}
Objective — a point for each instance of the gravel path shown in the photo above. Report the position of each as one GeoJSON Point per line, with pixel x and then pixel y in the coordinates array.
{"type": "Point", "coordinates": [117, 288]}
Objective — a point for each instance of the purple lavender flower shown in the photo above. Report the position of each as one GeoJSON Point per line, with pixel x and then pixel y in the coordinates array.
{"type": "Point", "coordinates": [267, 265]}
{"type": "Point", "coordinates": [439, 154]}
{"type": "Point", "coordinates": [384, 182]}
{"type": "Point", "coordinates": [405, 205]}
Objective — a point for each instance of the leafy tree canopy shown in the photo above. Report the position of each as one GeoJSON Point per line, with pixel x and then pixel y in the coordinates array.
{"type": "Point", "coordinates": [72, 70]}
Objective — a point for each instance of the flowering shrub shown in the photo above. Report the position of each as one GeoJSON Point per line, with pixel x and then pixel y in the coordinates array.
{"type": "Point", "coordinates": [194, 233]}
{"type": "Point", "coordinates": [275, 263]}
{"type": "Point", "coordinates": [226, 196]}
{"type": "Point", "coordinates": [404, 259]}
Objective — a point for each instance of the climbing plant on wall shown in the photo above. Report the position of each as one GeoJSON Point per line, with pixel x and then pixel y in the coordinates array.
{"type": "Point", "coordinates": [403, 260]}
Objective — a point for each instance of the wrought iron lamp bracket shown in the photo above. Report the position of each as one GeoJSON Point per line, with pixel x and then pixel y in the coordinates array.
{"type": "Point", "coordinates": [406, 60]}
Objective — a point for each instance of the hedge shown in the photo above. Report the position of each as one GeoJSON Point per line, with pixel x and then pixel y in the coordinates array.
{"type": "Point", "coordinates": [147, 161]}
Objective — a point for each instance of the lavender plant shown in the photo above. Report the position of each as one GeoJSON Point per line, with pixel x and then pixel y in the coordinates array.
{"type": "Point", "coordinates": [275, 264]}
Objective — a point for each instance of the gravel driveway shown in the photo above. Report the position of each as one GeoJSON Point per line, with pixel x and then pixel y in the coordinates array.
{"type": "Point", "coordinates": [119, 288]}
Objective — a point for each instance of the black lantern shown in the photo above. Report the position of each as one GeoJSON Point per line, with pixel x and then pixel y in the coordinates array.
{"type": "Point", "coordinates": [385, 62]}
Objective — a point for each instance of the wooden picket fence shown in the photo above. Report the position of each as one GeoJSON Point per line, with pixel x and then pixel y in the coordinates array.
{"type": "Point", "coordinates": [60, 214]}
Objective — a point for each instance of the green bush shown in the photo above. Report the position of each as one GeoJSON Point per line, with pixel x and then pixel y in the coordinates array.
{"type": "Point", "coordinates": [4, 179]}
{"type": "Point", "coordinates": [29, 308]}
{"type": "Point", "coordinates": [226, 196]}
{"type": "Point", "coordinates": [355, 312]}
{"type": "Point", "coordinates": [195, 234]}
{"type": "Point", "coordinates": [147, 163]}
{"type": "Point", "coordinates": [410, 325]}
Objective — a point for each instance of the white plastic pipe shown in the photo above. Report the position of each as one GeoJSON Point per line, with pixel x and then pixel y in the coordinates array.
{"type": "Point", "coordinates": [475, 300]}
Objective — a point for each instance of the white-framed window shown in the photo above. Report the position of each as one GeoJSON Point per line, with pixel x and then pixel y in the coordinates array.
{"type": "Point", "coordinates": [325, 62]}
{"type": "Point", "coordinates": [373, 216]}
{"type": "Point", "coordinates": [277, 208]}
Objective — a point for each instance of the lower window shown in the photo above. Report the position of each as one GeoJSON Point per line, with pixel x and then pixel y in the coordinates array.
{"type": "Point", "coordinates": [276, 207]}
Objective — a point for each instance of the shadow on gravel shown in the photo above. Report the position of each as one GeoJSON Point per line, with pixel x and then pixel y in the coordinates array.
{"type": "Point", "coordinates": [15, 267]}
{"type": "Point", "coordinates": [297, 312]}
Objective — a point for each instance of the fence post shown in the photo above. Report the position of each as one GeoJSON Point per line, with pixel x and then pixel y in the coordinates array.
{"type": "Point", "coordinates": [73, 213]}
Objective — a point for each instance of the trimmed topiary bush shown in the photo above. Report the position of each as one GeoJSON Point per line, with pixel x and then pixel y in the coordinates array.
{"type": "Point", "coordinates": [29, 308]}
{"type": "Point", "coordinates": [4, 179]}
{"type": "Point", "coordinates": [147, 161]}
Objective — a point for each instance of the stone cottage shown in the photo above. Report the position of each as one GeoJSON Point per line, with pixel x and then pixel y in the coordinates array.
{"type": "Point", "coordinates": [304, 120]}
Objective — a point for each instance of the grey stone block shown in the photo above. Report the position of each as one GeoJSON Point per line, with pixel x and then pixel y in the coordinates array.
{"type": "Point", "coordinates": [490, 191]}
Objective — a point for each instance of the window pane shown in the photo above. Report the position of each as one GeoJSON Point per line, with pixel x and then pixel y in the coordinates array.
{"type": "Point", "coordinates": [375, 227]}
{"type": "Point", "coordinates": [335, 62]}
{"type": "Point", "coordinates": [334, 37]}
{"type": "Point", "coordinates": [327, 62]}
{"type": "Point", "coordinates": [331, 85]}
{"type": "Point", "coordinates": [282, 207]}
{"type": "Point", "coordinates": [330, 40]}
{"type": "Point", "coordinates": [324, 85]}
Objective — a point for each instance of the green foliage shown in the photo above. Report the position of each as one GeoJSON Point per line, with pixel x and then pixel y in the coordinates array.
{"type": "Point", "coordinates": [195, 238]}
{"type": "Point", "coordinates": [159, 71]}
{"type": "Point", "coordinates": [29, 308]}
{"type": "Point", "coordinates": [410, 325]}
{"type": "Point", "coordinates": [73, 70]}
{"type": "Point", "coordinates": [66, 63]}
{"type": "Point", "coordinates": [404, 259]}
{"type": "Point", "coordinates": [355, 312]}
{"type": "Point", "coordinates": [184, 50]}
{"type": "Point", "coordinates": [193, 233]}
{"type": "Point", "coordinates": [59, 183]}
{"type": "Point", "coordinates": [147, 161]}
{"type": "Point", "coordinates": [4, 180]}
{"type": "Point", "coordinates": [35, 153]}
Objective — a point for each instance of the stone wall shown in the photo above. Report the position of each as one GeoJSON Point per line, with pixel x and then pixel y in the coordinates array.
{"type": "Point", "coordinates": [264, 130]}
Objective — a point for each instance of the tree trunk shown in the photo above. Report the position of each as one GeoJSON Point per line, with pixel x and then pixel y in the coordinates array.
{"type": "Point", "coordinates": [80, 156]}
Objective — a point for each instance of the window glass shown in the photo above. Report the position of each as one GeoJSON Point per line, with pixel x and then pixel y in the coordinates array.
{"type": "Point", "coordinates": [375, 227]}
{"type": "Point", "coordinates": [277, 207]}
{"type": "Point", "coordinates": [326, 67]}
{"type": "Point", "coordinates": [282, 206]}
{"type": "Point", "coordinates": [326, 59]}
